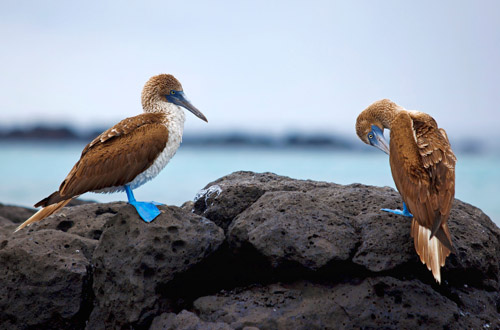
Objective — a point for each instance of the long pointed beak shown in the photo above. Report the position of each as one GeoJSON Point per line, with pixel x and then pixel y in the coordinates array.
{"type": "Point", "coordinates": [179, 99]}
{"type": "Point", "coordinates": [381, 142]}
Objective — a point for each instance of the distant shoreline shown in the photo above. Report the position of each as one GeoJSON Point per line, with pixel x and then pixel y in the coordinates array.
{"type": "Point", "coordinates": [44, 133]}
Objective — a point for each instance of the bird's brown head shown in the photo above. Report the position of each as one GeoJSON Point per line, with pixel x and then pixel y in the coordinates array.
{"type": "Point", "coordinates": [166, 88]}
{"type": "Point", "coordinates": [372, 121]}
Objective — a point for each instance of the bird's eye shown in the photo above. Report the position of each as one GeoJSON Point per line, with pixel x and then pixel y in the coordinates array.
{"type": "Point", "coordinates": [172, 92]}
{"type": "Point", "coordinates": [370, 136]}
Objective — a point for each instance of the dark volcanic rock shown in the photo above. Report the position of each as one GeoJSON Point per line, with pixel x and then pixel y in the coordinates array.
{"type": "Point", "coordinates": [304, 227]}
{"type": "Point", "coordinates": [86, 220]}
{"type": "Point", "coordinates": [374, 303]}
{"type": "Point", "coordinates": [44, 279]}
{"type": "Point", "coordinates": [11, 216]}
{"type": "Point", "coordinates": [297, 254]}
{"type": "Point", "coordinates": [477, 244]}
{"type": "Point", "coordinates": [134, 262]}
{"type": "Point", "coordinates": [53, 275]}
{"type": "Point", "coordinates": [312, 227]}
{"type": "Point", "coordinates": [242, 189]}
{"type": "Point", "coordinates": [337, 230]}
{"type": "Point", "coordinates": [15, 214]}
{"type": "Point", "coordinates": [185, 321]}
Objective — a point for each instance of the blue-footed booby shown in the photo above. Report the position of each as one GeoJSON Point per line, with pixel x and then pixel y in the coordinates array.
{"type": "Point", "coordinates": [423, 169]}
{"type": "Point", "coordinates": [130, 153]}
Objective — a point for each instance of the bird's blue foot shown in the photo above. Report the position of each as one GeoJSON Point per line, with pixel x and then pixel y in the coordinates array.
{"type": "Point", "coordinates": [404, 212]}
{"type": "Point", "coordinates": [146, 210]}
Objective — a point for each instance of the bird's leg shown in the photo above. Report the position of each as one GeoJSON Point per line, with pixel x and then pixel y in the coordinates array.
{"type": "Point", "coordinates": [131, 198]}
{"type": "Point", "coordinates": [147, 211]}
{"type": "Point", "coordinates": [405, 211]}
{"type": "Point", "coordinates": [130, 194]}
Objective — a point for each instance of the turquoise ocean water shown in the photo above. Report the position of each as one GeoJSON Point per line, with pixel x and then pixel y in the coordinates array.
{"type": "Point", "coordinates": [32, 171]}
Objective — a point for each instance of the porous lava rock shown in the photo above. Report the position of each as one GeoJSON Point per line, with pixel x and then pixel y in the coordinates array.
{"type": "Point", "coordinates": [252, 251]}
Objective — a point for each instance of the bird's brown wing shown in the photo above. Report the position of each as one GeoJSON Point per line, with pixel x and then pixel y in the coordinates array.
{"type": "Point", "coordinates": [439, 161]}
{"type": "Point", "coordinates": [124, 127]}
{"type": "Point", "coordinates": [115, 157]}
{"type": "Point", "coordinates": [423, 168]}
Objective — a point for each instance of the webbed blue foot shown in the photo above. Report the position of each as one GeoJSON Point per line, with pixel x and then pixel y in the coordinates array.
{"type": "Point", "coordinates": [146, 210]}
{"type": "Point", "coordinates": [405, 212]}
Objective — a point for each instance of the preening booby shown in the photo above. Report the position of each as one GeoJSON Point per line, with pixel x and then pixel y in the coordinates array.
{"type": "Point", "coordinates": [423, 168]}
{"type": "Point", "coordinates": [130, 153]}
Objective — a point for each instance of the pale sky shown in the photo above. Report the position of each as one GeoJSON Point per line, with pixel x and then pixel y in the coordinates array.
{"type": "Point", "coordinates": [253, 65]}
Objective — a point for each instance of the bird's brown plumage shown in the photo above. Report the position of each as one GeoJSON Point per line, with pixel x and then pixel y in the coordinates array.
{"type": "Point", "coordinates": [423, 168]}
{"type": "Point", "coordinates": [119, 154]}
{"type": "Point", "coordinates": [115, 157]}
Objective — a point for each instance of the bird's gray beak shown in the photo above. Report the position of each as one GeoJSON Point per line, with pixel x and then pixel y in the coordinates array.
{"type": "Point", "coordinates": [381, 142]}
{"type": "Point", "coordinates": [179, 99]}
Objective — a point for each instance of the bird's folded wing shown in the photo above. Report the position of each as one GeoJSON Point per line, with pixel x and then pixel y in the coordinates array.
{"type": "Point", "coordinates": [125, 126]}
{"type": "Point", "coordinates": [423, 164]}
{"type": "Point", "coordinates": [117, 156]}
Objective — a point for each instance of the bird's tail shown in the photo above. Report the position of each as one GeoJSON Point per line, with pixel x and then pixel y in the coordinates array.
{"type": "Point", "coordinates": [43, 213]}
{"type": "Point", "coordinates": [432, 251]}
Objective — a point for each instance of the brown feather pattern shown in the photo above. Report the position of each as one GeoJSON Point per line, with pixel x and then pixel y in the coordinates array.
{"type": "Point", "coordinates": [126, 126]}
{"type": "Point", "coordinates": [423, 168]}
{"type": "Point", "coordinates": [115, 157]}
{"type": "Point", "coordinates": [121, 153]}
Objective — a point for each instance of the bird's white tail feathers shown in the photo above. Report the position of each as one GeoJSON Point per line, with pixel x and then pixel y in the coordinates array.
{"type": "Point", "coordinates": [43, 213]}
{"type": "Point", "coordinates": [431, 251]}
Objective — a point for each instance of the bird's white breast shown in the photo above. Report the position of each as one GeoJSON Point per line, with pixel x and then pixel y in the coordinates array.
{"type": "Point", "coordinates": [175, 126]}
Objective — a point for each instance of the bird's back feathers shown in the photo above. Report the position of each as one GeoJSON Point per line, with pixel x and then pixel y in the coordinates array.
{"type": "Point", "coordinates": [423, 168]}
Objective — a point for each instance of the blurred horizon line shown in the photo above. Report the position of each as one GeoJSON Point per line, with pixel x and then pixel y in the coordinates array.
{"type": "Point", "coordinates": [292, 138]}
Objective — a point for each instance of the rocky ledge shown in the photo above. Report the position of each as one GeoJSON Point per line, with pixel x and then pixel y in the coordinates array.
{"type": "Point", "coordinates": [253, 251]}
